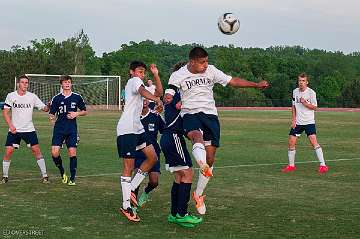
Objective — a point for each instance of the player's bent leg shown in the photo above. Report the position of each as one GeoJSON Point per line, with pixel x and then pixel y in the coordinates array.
{"type": "Point", "coordinates": [323, 168]}
{"type": "Point", "coordinates": [40, 162]}
{"type": "Point", "coordinates": [55, 153]}
{"type": "Point", "coordinates": [151, 158]}
{"type": "Point", "coordinates": [153, 183]}
{"type": "Point", "coordinates": [291, 155]}
{"type": "Point", "coordinates": [9, 150]}
{"type": "Point", "coordinates": [73, 165]}
{"type": "Point", "coordinates": [128, 189]}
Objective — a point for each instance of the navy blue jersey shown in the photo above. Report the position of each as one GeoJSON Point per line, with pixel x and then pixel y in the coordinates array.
{"type": "Point", "coordinates": [61, 106]}
{"type": "Point", "coordinates": [153, 125]}
{"type": "Point", "coordinates": [173, 120]}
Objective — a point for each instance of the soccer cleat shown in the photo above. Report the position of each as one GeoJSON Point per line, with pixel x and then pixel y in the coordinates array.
{"type": "Point", "coordinates": [323, 169]}
{"type": "Point", "coordinates": [288, 168]}
{"type": "Point", "coordinates": [199, 203]}
{"type": "Point", "coordinates": [45, 180]}
{"type": "Point", "coordinates": [188, 219]}
{"type": "Point", "coordinates": [172, 219]}
{"type": "Point", "coordinates": [71, 183]}
{"type": "Point", "coordinates": [4, 180]}
{"type": "Point", "coordinates": [133, 199]}
{"type": "Point", "coordinates": [64, 179]}
{"type": "Point", "coordinates": [129, 214]}
{"type": "Point", "coordinates": [143, 199]}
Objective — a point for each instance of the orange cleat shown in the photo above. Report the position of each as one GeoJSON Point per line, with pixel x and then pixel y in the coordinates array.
{"type": "Point", "coordinates": [199, 203]}
{"type": "Point", "coordinates": [129, 214]}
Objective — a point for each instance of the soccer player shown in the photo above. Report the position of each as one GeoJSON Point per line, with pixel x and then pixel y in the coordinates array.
{"type": "Point", "coordinates": [131, 134]}
{"type": "Point", "coordinates": [195, 82]}
{"type": "Point", "coordinates": [63, 113]}
{"type": "Point", "coordinates": [21, 127]}
{"type": "Point", "coordinates": [304, 104]}
{"type": "Point", "coordinates": [178, 162]}
{"type": "Point", "coordinates": [153, 125]}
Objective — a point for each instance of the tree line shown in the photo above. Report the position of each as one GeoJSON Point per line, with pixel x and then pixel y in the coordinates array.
{"type": "Point", "coordinates": [335, 76]}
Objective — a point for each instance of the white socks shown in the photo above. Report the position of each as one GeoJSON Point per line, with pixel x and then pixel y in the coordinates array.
{"type": "Point", "coordinates": [138, 178]}
{"type": "Point", "coordinates": [199, 153]}
{"type": "Point", "coordinates": [320, 155]}
{"type": "Point", "coordinates": [291, 155]}
{"type": "Point", "coordinates": [41, 163]}
{"type": "Point", "coordinates": [201, 184]}
{"type": "Point", "coordinates": [6, 166]}
{"type": "Point", "coordinates": [126, 191]}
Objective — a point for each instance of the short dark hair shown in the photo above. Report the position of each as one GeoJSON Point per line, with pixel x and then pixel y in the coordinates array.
{"type": "Point", "coordinates": [136, 64]}
{"type": "Point", "coordinates": [22, 77]}
{"type": "Point", "coordinates": [64, 78]}
{"type": "Point", "coordinates": [303, 75]}
{"type": "Point", "coordinates": [197, 52]}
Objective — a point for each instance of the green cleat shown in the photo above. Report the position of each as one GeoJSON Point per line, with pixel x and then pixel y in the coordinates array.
{"type": "Point", "coordinates": [143, 199]}
{"type": "Point", "coordinates": [172, 219]}
{"type": "Point", "coordinates": [64, 178]}
{"type": "Point", "coordinates": [71, 183]}
{"type": "Point", "coordinates": [188, 219]}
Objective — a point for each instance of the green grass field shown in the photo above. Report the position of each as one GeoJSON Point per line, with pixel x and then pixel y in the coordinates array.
{"type": "Point", "coordinates": [248, 197]}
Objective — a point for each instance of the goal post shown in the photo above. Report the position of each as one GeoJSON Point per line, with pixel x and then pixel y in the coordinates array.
{"type": "Point", "coordinates": [98, 91]}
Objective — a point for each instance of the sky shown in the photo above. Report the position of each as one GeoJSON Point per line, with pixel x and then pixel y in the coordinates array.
{"type": "Point", "coordinates": [320, 24]}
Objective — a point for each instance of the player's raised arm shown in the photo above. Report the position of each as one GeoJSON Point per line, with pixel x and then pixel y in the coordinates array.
{"type": "Point", "coordinates": [238, 82]}
{"type": "Point", "coordinates": [159, 91]}
{"type": "Point", "coordinates": [146, 94]}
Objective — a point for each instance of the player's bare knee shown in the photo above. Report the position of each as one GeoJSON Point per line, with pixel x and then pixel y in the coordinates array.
{"type": "Point", "coordinates": [196, 136]}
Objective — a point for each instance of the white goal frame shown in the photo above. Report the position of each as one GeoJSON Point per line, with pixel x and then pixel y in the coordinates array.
{"type": "Point", "coordinates": [86, 76]}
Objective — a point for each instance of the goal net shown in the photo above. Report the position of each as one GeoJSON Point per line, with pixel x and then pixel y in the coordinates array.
{"type": "Point", "coordinates": [99, 92]}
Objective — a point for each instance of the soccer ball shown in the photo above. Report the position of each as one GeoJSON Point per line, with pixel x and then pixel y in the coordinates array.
{"type": "Point", "coordinates": [228, 23]}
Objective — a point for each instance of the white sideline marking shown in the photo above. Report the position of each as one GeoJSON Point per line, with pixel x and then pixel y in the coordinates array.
{"type": "Point", "coordinates": [220, 167]}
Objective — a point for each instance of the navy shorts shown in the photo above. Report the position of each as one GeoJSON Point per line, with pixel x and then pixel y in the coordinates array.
{"type": "Point", "coordinates": [140, 158]}
{"type": "Point", "coordinates": [310, 129]}
{"type": "Point", "coordinates": [13, 140]}
{"type": "Point", "coordinates": [175, 152]}
{"type": "Point", "coordinates": [128, 144]}
{"type": "Point", "coordinates": [208, 124]}
{"type": "Point", "coordinates": [70, 138]}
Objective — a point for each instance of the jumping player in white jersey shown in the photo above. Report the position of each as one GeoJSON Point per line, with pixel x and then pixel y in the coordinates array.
{"type": "Point", "coordinates": [304, 104]}
{"type": "Point", "coordinates": [200, 119]}
{"type": "Point", "coordinates": [131, 135]}
{"type": "Point", "coordinates": [21, 127]}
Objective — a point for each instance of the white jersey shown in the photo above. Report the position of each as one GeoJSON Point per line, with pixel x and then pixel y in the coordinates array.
{"type": "Point", "coordinates": [304, 115]}
{"type": "Point", "coordinates": [22, 107]}
{"type": "Point", "coordinates": [151, 89]}
{"type": "Point", "coordinates": [196, 90]}
{"type": "Point", "coordinates": [129, 122]}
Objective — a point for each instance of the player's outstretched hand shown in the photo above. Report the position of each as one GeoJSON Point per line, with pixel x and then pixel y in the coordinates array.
{"type": "Point", "coordinates": [159, 106]}
{"type": "Point", "coordinates": [263, 84]}
{"type": "Point", "coordinates": [154, 70]}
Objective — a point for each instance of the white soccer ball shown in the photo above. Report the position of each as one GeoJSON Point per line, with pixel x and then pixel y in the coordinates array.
{"type": "Point", "coordinates": [228, 23]}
